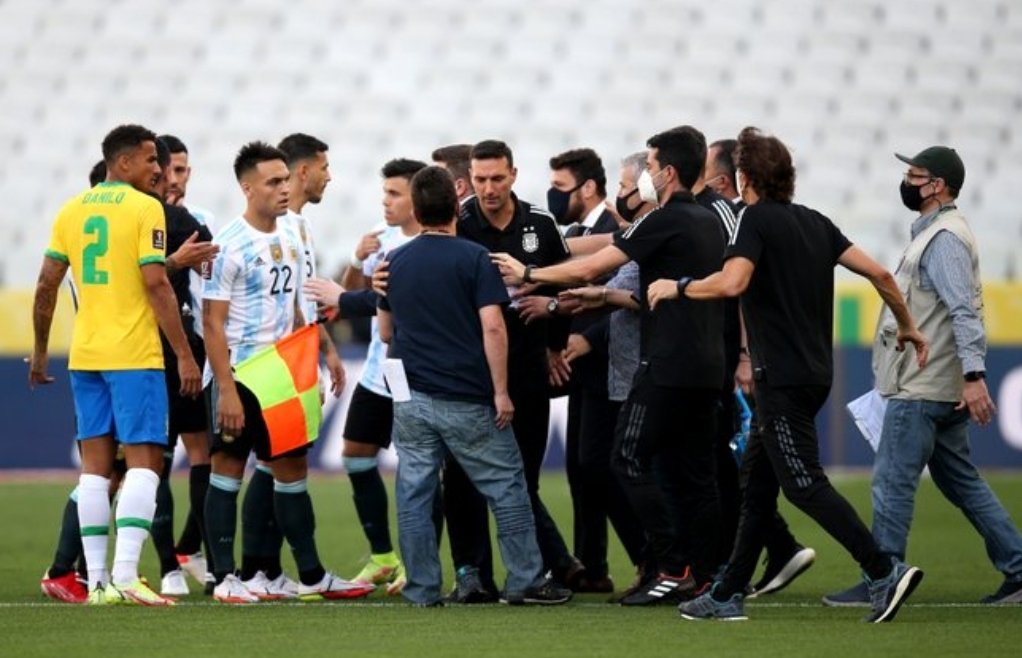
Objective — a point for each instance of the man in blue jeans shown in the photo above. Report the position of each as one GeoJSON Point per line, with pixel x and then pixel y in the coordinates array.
{"type": "Point", "coordinates": [928, 410]}
{"type": "Point", "coordinates": [442, 317]}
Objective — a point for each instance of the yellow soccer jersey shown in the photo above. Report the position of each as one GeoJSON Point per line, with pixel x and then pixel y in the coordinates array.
{"type": "Point", "coordinates": [106, 235]}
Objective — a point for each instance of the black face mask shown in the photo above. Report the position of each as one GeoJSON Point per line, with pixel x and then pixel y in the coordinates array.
{"type": "Point", "coordinates": [558, 201]}
{"type": "Point", "coordinates": [912, 196]}
{"type": "Point", "coordinates": [627, 214]}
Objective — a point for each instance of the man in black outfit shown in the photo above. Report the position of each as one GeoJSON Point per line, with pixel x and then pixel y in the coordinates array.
{"type": "Point", "coordinates": [781, 262]}
{"type": "Point", "coordinates": [670, 413]}
{"type": "Point", "coordinates": [499, 221]}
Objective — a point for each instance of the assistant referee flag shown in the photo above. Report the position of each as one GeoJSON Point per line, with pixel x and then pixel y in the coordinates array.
{"type": "Point", "coordinates": [285, 380]}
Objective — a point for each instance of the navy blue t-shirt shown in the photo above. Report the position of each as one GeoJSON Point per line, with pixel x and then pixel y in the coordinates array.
{"type": "Point", "coordinates": [436, 287]}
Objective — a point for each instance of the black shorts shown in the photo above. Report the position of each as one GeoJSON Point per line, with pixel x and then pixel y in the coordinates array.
{"type": "Point", "coordinates": [253, 438]}
{"type": "Point", "coordinates": [370, 418]}
{"type": "Point", "coordinates": [186, 414]}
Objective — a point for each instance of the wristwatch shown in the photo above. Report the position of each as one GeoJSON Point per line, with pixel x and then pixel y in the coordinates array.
{"type": "Point", "coordinates": [975, 376]}
{"type": "Point", "coordinates": [553, 305]}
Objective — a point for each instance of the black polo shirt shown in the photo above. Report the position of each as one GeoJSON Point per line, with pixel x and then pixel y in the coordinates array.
{"type": "Point", "coordinates": [789, 304]}
{"type": "Point", "coordinates": [682, 340]}
{"type": "Point", "coordinates": [180, 226]}
{"type": "Point", "coordinates": [728, 216]}
{"type": "Point", "coordinates": [533, 238]}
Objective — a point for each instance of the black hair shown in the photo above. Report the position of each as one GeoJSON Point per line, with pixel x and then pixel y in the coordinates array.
{"type": "Point", "coordinates": [162, 153]}
{"type": "Point", "coordinates": [125, 138]}
{"type": "Point", "coordinates": [584, 164]}
{"type": "Point", "coordinates": [492, 149]}
{"type": "Point", "coordinates": [174, 144]}
{"type": "Point", "coordinates": [433, 196]}
{"type": "Point", "coordinates": [98, 173]}
{"type": "Point", "coordinates": [683, 148]}
{"type": "Point", "coordinates": [456, 157]}
{"type": "Point", "coordinates": [252, 154]}
{"type": "Point", "coordinates": [299, 146]}
{"type": "Point", "coordinates": [725, 156]}
{"type": "Point", "coordinates": [402, 168]}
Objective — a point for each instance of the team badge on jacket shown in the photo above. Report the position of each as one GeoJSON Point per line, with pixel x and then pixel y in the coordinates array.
{"type": "Point", "coordinates": [276, 252]}
{"type": "Point", "coordinates": [530, 242]}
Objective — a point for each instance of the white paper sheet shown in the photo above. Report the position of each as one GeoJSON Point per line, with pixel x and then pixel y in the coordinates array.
{"type": "Point", "coordinates": [397, 382]}
{"type": "Point", "coordinates": [868, 413]}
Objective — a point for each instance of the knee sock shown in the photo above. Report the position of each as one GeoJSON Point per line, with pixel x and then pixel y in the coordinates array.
{"type": "Point", "coordinates": [136, 506]}
{"type": "Point", "coordinates": [163, 522]}
{"type": "Point", "coordinates": [94, 525]}
{"type": "Point", "coordinates": [261, 537]}
{"type": "Point", "coordinates": [370, 497]}
{"type": "Point", "coordinates": [69, 542]}
{"type": "Point", "coordinates": [194, 531]}
{"type": "Point", "coordinates": [221, 521]}
{"type": "Point", "coordinates": [298, 522]}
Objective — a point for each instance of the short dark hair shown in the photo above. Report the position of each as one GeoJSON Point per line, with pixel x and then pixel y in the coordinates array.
{"type": "Point", "coordinates": [584, 164]}
{"type": "Point", "coordinates": [401, 168]}
{"type": "Point", "coordinates": [456, 157]}
{"type": "Point", "coordinates": [98, 173]}
{"type": "Point", "coordinates": [125, 138]}
{"type": "Point", "coordinates": [162, 153]}
{"type": "Point", "coordinates": [766, 164]}
{"type": "Point", "coordinates": [174, 144]}
{"type": "Point", "coordinates": [433, 196]}
{"type": "Point", "coordinates": [725, 157]}
{"type": "Point", "coordinates": [683, 148]}
{"type": "Point", "coordinates": [252, 154]}
{"type": "Point", "coordinates": [492, 149]}
{"type": "Point", "coordinates": [299, 146]}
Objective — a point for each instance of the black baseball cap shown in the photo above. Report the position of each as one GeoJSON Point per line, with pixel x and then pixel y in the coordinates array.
{"type": "Point", "coordinates": [941, 162]}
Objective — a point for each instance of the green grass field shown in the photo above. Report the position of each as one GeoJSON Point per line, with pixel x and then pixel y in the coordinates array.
{"type": "Point", "coordinates": [941, 619]}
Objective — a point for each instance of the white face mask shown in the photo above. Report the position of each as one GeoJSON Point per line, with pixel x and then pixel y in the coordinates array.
{"type": "Point", "coordinates": [647, 190]}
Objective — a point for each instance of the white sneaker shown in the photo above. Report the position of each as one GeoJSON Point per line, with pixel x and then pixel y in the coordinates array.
{"type": "Point", "coordinates": [233, 591]}
{"type": "Point", "coordinates": [332, 587]}
{"type": "Point", "coordinates": [279, 588]}
{"type": "Point", "coordinates": [174, 584]}
{"type": "Point", "coordinates": [194, 565]}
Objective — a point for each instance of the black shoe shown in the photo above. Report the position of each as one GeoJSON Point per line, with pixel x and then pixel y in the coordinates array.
{"type": "Point", "coordinates": [665, 588]}
{"type": "Point", "coordinates": [469, 588]}
{"type": "Point", "coordinates": [1010, 591]}
{"type": "Point", "coordinates": [604, 585]}
{"type": "Point", "coordinates": [546, 593]}
{"type": "Point", "coordinates": [781, 571]}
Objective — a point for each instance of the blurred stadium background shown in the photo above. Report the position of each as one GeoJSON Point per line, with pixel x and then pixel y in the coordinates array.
{"type": "Point", "coordinates": [845, 84]}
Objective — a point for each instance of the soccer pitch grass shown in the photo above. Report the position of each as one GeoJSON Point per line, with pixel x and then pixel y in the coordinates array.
{"type": "Point", "coordinates": [942, 618]}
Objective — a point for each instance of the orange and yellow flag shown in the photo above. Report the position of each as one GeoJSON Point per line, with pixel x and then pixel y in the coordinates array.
{"type": "Point", "coordinates": [285, 380]}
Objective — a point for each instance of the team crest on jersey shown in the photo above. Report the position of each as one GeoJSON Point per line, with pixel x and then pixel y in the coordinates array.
{"type": "Point", "coordinates": [530, 242]}
{"type": "Point", "coordinates": [301, 229]}
{"type": "Point", "coordinates": [276, 252]}
{"type": "Point", "coordinates": [293, 251]}
{"type": "Point", "coordinates": [159, 240]}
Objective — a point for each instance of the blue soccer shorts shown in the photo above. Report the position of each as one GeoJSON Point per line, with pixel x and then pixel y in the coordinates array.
{"type": "Point", "coordinates": [129, 405]}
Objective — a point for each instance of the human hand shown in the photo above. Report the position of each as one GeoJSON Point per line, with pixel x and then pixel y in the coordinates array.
{"type": "Point", "coordinates": [578, 346]}
{"type": "Point", "coordinates": [505, 410]}
{"type": "Point", "coordinates": [323, 291]}
{"type": "Point", "coordinates": [976, 398]}
{"type": "Point", "coordinates": [369, 244]}
{"type": "Point", "coordinates": [661, 290]}
{"type": "Point", "coordinates": [380, 278]}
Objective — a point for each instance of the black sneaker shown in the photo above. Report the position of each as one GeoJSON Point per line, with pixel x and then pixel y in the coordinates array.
{"type": "Point", "coordinates": [469, 588]}
{"type": "Point", "coordinates": [546, 593]}
{"type": "Point", "coordinates": [1010, 591]}
{"type": "Point", "coordinates": [665, 588]}
{"type": "Point", "coordinates": [888, 593]}
{"type": "Point", "coordinates": [781, 571]}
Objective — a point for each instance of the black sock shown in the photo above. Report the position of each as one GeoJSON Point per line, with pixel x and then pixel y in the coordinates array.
{"type": "Point", "coordinates": [371, 504]}
{"type": "Point", "coordinates": [193, 534]}
{"type": "Point", "coordinates": [69, 541]}
{"type": "Point", "coordinates": [162, 529]}
{"type": "Point", "coordinates": [221, 524]}
{"type": "Point", "coordinates": [261, 539]}
{"type": "Point", "coordinates": [298, 521]}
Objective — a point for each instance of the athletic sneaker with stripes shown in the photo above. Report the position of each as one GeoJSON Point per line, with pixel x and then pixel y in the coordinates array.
{"type": "Point", "coordinates": [665, 588]}
{"type": "Point", "coordinates": [888, 593]}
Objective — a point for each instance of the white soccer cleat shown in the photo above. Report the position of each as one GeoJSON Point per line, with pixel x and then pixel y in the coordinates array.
{"type": "Point", "coordinates": [277, 589]}
{"type": "Point", "coordinates": [194, 565]}
{"type": "Point", "coordinates": [174, 584]}
{"type": "Point", "coordinates": [233, 591]}
{"type": "Point", "coordinates": [333, 587]}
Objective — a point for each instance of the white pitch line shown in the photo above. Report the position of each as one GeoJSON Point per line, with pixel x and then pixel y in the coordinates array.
{"type": "Point", "coordinates": [397, 605]}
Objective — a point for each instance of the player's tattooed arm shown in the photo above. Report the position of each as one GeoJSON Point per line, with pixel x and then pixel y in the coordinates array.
{"type": "Point", "coordinates": [50, 275]}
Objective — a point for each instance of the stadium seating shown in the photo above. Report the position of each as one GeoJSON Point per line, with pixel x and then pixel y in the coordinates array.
{"type": "Point", "coordinates": [844, 83]}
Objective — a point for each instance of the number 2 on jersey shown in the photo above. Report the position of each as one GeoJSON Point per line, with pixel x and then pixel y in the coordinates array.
{"type": "Point", "coordinates": [97, 225]}
{"type": "Point", "coordinates": [281, 280]}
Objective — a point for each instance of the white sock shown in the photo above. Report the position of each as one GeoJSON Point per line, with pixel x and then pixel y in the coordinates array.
{"type": "Point", "coordinates": [135, 508]}
{"type": "Point", "coordinates": [94, 524]}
